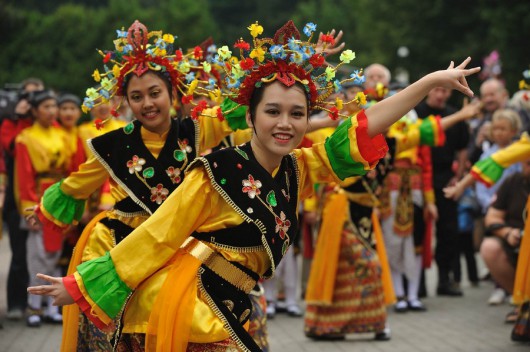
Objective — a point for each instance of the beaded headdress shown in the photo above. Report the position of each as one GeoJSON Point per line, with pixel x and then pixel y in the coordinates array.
{"type": "Point", "coordinates": [136, 52]}
{"type": "Point", "coordinates": [288, 59]}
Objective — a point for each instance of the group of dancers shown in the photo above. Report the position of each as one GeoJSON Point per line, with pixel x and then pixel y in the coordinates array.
{"type": "Point", "coordinates": [176, 263]}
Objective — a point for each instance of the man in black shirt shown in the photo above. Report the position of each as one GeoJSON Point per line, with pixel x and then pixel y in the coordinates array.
{"type": "Point", "coordinates": [454, 149]}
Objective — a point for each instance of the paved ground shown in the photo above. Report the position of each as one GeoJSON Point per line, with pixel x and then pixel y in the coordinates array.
{"type": "Point", "coordinates": [451, 324]}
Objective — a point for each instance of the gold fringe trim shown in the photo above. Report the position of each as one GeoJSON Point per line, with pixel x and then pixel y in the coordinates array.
{"type": "Point", "coordinates": [135, 214]}
{"type": "Point", "coordinates": [197, 135]}
{"type": "Point", "coordinates": [218, 313]}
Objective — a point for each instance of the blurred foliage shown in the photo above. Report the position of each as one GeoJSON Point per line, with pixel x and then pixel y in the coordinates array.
{"type": "Point", "coordinates": [57, 40]}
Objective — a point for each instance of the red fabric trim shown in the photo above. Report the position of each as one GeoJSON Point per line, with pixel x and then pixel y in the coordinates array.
{"type": "Point", "coordinates": [425, 161]}
{"type": "Point", "coordinates": [441, 133]}
{"type": "Point", "coordinates": [79, 157]}
{"type": "Point", "coordinates": [52, 234]}
{"type": "Point", "coordinates": [371, 149]}
{"type": "Point", "coordinates": [10, 130]}
{"type": "Point", "coordinates": [477, 176]}
{"type": "Point", "coordinates": [27, 185]}
{"type": "Point", "coordinates": [73, 290]}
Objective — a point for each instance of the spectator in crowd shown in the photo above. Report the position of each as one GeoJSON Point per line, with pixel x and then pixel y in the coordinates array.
{"type": "Point", "coordinates": [17, 279]}
{"type": "Point", "coordinates": [505, 126]}
{"type": "Point", "coordinates": [376, 73]}
{"type": "Point", "coordinates": [443, 157]}
{"type": "Point", "coordinates": [468, 210]}
{"type": "Point", "coordinates": [505, 222]}
{"type": "Point", "coordinates": [493, 96]}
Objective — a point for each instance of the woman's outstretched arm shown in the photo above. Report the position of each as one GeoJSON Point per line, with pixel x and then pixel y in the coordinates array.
{"type": "Point", "coordinates": [389, 110]}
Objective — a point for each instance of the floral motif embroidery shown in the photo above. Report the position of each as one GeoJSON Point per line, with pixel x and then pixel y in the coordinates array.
{"type": "Point", "coordinates": [135, 165]}
{"type": "Point", "coordinates": [282, 225]}
{"type": "Point", "coordinates": [174, 174]}
{"type": "Point", "coordinates": [159, 193]}
{"type": "Point", "coordinates": [185, 148]}
{"type": "Point", "coordinates": [251, 187]}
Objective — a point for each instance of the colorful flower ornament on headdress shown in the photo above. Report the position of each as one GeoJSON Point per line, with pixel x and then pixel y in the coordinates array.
{"type": "Point", "coordinates": [136, 52]}
{"type": "Point", "coordinates": [287, 59]}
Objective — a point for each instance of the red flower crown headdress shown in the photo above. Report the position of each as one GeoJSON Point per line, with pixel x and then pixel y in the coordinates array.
{"type": "Point", "coordinates": [136, 52]}
{"type": "Point", "coordinates": [287, 59]}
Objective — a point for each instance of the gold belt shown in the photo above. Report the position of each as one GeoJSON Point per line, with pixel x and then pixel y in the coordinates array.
{"type": "Point", "coordinates": [219, 265]}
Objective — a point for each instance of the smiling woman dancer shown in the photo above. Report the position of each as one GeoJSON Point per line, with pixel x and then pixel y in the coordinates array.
{"type": "Point", "coordinates": [241, 202]}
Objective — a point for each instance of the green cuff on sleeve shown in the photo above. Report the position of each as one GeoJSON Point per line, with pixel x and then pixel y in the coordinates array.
{"type": "Point", "coordinates": [431, 132]}
{"type": "Point", "coordinates": [487, 171]}
{"type": "Point", "coordinates": [338, 151]}
{"type": "Point", "coordinates": [104, 285]}
{"type": "Point", "coordinates": [60, 206]}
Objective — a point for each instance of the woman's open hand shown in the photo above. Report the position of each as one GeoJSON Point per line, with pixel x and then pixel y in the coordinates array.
{"type": "Point", "coordinates": [56, 290]}
{"type": "Point", "coordinates": [455, 77]}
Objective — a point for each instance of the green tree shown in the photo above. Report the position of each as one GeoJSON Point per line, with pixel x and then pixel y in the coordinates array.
{"type": "Point", "coordinates": [508, 28]}
{"type": "Point", "coordinates": [60, 47]}
{"type": "Point", "coordinates": [57, 40]}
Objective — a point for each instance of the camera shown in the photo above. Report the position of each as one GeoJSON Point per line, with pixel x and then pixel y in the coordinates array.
{"type": "Point", "coordinates": [8, 102]}
{"type": "Point", "coordinates": [9, 98]}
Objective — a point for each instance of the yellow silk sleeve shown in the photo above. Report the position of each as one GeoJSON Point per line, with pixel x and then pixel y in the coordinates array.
{"type": "Point", "coordinates": [82, 183]}
{"type": "Point", "coordinates": [320, 135]}
{"type": "Point", "coordinates": [154, 242]}
{"type": "Point", "coordinates": [211, 130]}
{"type": "Point", "coordinates": [516, 152]}
{"type": "Point", "coordinates": [314, 167]}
